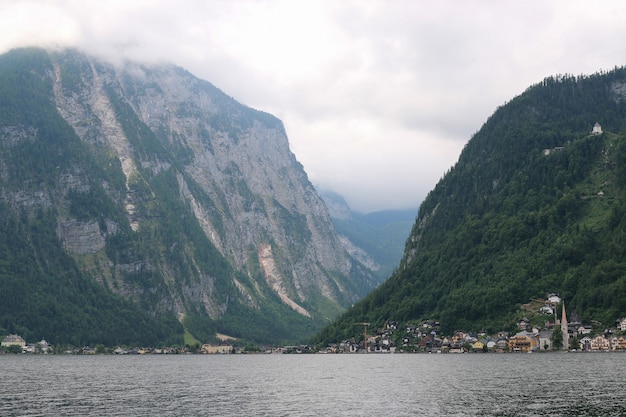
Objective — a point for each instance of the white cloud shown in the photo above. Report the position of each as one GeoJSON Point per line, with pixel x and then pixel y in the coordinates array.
{"type": "Point", "coordinates": [378, 97]}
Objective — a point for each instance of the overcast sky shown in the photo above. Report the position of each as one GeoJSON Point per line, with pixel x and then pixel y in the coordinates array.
{"type": "Point", "coordinates": [378, 97]}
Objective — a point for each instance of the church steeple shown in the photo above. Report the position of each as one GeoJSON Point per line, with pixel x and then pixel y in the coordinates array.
{"type": "Point", "coordinates": [564, 330]}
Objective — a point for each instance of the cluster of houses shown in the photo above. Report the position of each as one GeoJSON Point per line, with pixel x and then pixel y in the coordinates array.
{"type": "Point", "coordinates": [575, 335]}
{"type": "Point", "coordinates": [17, 343]}
{"type": "Point", "coordinates": [428, 340]}
{"type": "Point", "coordinates": [206, 348]}
{"type": "Point", "coordinates": [222, 348]}
{"type": "Point", "coordinates": [426, 337]}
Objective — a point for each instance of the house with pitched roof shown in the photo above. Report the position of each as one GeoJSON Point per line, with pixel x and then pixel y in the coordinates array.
{"type": "Point", "coordinates": [13, 340]}
{"type": "Point", "coordinates": [597, 129]}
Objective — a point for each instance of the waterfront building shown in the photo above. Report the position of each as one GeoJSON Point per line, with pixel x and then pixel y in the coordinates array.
{"type": "Point", "coordinates": [13, 340]}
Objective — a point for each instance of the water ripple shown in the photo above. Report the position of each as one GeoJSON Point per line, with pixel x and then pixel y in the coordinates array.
{"type": "Point", "coordinates": [549, 384]}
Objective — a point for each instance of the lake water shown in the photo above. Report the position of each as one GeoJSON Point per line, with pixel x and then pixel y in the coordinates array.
{"type": "Point", "coordinates": [550, 384]}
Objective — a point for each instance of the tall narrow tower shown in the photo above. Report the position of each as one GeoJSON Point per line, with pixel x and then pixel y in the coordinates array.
{"type": "Point", "coordinates": [564, 329]}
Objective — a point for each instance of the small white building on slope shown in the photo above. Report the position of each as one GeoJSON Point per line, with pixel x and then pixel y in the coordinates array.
{"type": "Point", "coordinates": [597, 129]}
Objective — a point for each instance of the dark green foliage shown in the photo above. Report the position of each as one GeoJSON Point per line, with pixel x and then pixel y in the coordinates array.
{"type": "Point", "coordinates": [509, 223]}
{"type": "Point", "coordinates": [43, 294]}
{"type": "Point", "coordinates": [557, 339]}
{"type": "Point", "coordinates": [267, 324]}
{"type": "Point", "coordinates": [200, 325]}
{"type": "Point", "coordinates": [93, 204]}
{"type": "Point", "coordinates": [25, 95]}
{"type": "Point", "coordinates": [73, 70]}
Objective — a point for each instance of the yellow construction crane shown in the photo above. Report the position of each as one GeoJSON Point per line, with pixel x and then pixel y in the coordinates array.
{"type": "Point", "coordinates": [364, 333]}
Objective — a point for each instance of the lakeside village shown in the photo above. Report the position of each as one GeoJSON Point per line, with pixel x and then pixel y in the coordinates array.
{"type": "Point", "coordinates": [559, 334]}
{"type": "Point", "coordinates": [425, 337]}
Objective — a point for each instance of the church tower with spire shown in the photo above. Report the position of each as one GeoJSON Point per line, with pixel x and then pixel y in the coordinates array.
{"type": "Point", "coordinates": [564, 329]}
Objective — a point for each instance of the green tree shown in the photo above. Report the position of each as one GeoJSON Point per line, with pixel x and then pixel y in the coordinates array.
{"type": "Point", "coordinates": [14, 349]}
{"type": "Point", "coordinates": [557, 339]}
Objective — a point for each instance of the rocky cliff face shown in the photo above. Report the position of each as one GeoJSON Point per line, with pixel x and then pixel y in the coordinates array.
{"type": "Point", "coordinates": [181, 184]}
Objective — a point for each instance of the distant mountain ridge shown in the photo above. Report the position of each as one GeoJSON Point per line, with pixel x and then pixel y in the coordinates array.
{"type": "Point", "coordinates": [536, 204]}
{"type": "Point", "coordinates": [376, 239]}
{"type": "Point", "coordinates": [146, 200]}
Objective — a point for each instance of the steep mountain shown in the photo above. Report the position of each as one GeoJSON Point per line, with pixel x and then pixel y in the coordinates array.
{"type": "Point", "coordinates": [536, 204]}
{"type": "Point", "coordinates": [376, 239]}
{"type": "Point", "coordinates": [140, 202]}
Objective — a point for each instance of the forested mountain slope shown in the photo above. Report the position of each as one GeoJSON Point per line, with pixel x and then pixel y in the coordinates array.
{"type": "Point", "coordinates": [536, 204]}
{"type": "Point", "coordinates": [139, 202]}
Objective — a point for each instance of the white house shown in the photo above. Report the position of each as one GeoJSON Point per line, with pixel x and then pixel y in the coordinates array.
{"type": "Point", "coordinates": [546, 309]}
{"type": "Point", "coordinates": [597, 129]}
{"type": "Point", "coordinates": [554, 299]}
{"type": "Point", "coordinates": [621, 323]}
